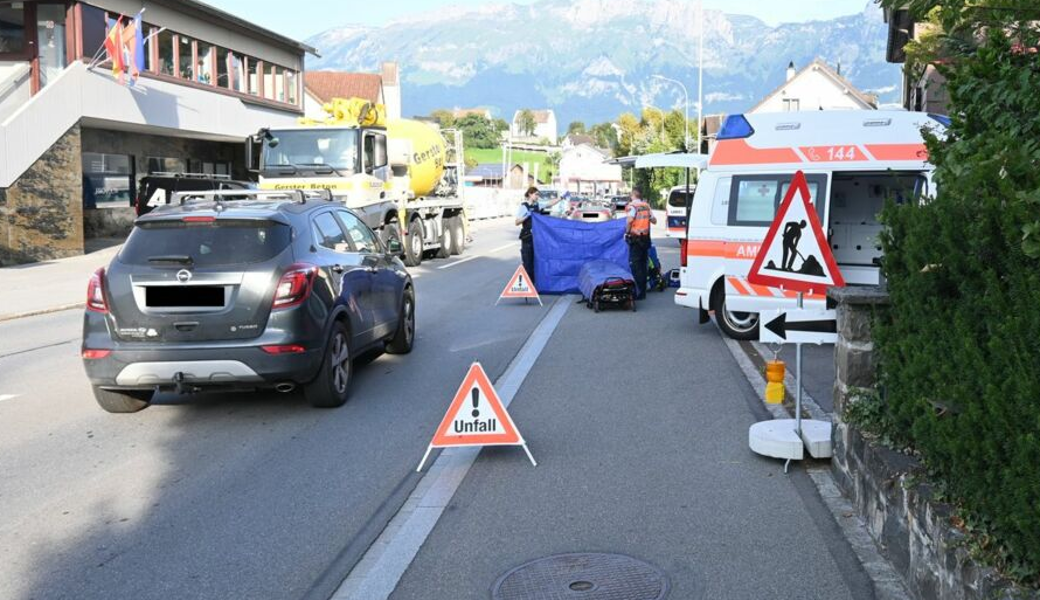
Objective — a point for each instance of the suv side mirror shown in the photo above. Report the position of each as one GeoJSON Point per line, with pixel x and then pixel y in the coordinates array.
{"type": "Point", "coordinates": [394, 247]}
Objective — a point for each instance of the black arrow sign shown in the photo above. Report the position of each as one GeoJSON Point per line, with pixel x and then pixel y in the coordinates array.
{"type": "Point", "coordinates": [780, 327]}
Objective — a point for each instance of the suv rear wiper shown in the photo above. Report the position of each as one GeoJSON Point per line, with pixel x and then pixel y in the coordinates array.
{"type": "Point", "coordinates": [182, 259]}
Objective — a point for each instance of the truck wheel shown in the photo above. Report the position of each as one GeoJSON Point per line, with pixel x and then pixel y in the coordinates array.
{"type": "Point", "coordinates": [413, 244]}
{"type": "Point", "coordinates": [447, 239]}
{"type": "Point", "coordinates": [127, 401]}
{"type": "Point", "coordinates": [332, 385]}
{"type": "Point", "coordinates": [737, 325]}
{"type": "Point", "coordinates": [458, 235]}
{"type": "Point", "coordinates": [404, 337]}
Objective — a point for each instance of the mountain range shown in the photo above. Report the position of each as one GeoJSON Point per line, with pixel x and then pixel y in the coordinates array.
{"type": "Point", "coordinates": [591, 60]}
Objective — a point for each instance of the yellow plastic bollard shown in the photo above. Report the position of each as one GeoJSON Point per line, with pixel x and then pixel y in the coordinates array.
{"type": "Point", "coordinates": [775, 382]}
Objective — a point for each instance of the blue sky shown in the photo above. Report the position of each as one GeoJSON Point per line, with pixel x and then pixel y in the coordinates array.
{"type": "Point", "coordinates": [300, 23]}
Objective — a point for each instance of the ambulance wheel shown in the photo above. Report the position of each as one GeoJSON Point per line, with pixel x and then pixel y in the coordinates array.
{"type": "Point", "coordinates": [737, 325]}
{"type": "Point", "coordinates": [413, 244]}
{"type": "Point", "coordinates": [447, 240]}
{"type": "Point", "coordinates": [458, 235]}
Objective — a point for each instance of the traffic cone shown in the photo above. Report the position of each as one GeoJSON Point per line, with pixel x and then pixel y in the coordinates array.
{"type": "Point", "coordinates": [775, 382]}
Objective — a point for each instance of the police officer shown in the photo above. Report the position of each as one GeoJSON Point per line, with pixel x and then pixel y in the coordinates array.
{"type": "Point", "coordinates": [637, 234]}
{"type": "Point", "coordinates": [523, 220]}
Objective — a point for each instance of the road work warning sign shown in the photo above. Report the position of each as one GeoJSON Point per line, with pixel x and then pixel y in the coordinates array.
{"type": "Point", "coordinates": [795, 254]}
{"type": "Point", "coordinates": [520, 286]}
{"type": "Point", "coordinates": [476, 417]}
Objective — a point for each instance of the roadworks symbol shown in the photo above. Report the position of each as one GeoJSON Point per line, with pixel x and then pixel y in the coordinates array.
{"type": "Point", "coordinates": [476, 417]}
{"type": "Point", "coordinates": [520, 286]}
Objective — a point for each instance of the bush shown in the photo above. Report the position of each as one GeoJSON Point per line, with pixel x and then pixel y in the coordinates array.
{"type": "Point", "coordinates": [960, 344]}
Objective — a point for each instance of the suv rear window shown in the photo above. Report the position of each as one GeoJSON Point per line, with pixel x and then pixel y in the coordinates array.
{"type": "Point", "coordinates": [219, 242]}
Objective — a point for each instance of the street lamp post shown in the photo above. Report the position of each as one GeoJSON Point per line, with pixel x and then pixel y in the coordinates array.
{"type": "Point", "coordinates": [686, 110]}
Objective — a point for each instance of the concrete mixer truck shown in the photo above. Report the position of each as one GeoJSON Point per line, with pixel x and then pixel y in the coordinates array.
{"type": "Point", "coordinates": [401, 176]}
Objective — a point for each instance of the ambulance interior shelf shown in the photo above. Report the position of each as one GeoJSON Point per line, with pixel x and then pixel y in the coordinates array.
{"type": "Point", "coordinates": [856, 201]}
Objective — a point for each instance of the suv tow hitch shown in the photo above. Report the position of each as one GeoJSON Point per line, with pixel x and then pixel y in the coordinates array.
{"type": "Point", "coordinates": [182, 388]}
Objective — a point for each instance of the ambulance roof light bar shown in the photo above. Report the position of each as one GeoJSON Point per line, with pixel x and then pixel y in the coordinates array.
{"type": "Point", "coordinates": [735, 127]}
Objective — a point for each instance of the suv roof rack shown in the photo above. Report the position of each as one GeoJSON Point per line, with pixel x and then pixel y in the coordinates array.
{"type": "Point", "coordinates": [220, 197]}
{"type": "Point", "coordinates": [177, 174]}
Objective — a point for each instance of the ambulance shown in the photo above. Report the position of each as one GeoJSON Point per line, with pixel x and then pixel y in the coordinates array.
{"type": "Point", "coordinates": [853, 162]}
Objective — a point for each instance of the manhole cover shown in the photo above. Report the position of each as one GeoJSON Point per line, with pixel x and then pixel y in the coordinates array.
{"type": "Point", "coordinates": [584, 576]}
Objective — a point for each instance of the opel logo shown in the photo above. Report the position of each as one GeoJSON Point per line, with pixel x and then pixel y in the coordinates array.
{"type": "Point", "coordinates": [184, 276]}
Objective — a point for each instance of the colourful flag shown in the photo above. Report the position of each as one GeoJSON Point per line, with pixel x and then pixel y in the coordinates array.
{"type": "Point", "coordinates": [114, 46]}
{"type": "Point", "coordinates": [133, 48]}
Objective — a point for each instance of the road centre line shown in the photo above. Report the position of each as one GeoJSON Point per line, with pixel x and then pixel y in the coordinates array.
{"type": "Point", "coordinates": [476, 256]}
{"type": "Point", "coordinates": [378, 572]}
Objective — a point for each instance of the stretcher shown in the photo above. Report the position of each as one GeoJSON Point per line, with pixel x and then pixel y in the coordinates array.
{"type": "Point", "coordinates": [605, 283]}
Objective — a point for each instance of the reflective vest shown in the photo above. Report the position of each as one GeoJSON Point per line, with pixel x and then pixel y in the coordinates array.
{"type": "Point", "coordinates": [641, 222]}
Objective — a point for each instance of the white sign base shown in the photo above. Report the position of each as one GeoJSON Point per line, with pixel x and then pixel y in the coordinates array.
{"type": "Point", "coordinates": [779, 439]}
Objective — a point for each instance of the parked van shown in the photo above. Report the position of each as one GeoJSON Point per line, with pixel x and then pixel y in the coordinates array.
{"type": "Point", "coordinates": [677, 203]}
{"type": "Point", "coordinates": [853, 161]}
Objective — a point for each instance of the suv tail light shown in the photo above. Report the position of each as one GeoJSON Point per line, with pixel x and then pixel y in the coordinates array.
{"type": "Point", "coordinates": [295, 285]}
{"type": "Point", "coordinates": [96, 292]}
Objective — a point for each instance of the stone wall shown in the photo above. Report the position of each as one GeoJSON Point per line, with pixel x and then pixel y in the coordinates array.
{"type": "Point", "coordinates": [912, 529]}
{"type": "Point", "coordinates": [41, 215]}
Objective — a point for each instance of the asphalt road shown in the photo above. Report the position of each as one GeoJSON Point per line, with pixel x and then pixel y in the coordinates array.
{"type": "Point", "coordinates": [639, 421]}
{"type": "Point", "coordinates": [233, 496]}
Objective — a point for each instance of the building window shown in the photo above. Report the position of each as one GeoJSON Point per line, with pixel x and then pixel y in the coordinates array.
{"type": "Point", "coordinates": [204, 63]}
{"type": "Point", "coordinates": [92, 26]}
{"type": "Point", "coordinates": [253, 67]}
{"type": "Point", "coordinates": [235, 72]}
{"type": "Point", "coordinates": [792, 105]}
{"type": "Point", "coordinates": [164, 53]}
{"type": "Point", "coordinates": [166, 165]}
{"type": "Point", "coordinates": [186, 63]}
{"type": "Point", "coordinates": [13, 32]}
{"type": "Point", "coordinates": [107, 180]}
{"type": "Point", "coordinates": [274, 89]}
{"type": "Point", "coordinates": [290, 86]}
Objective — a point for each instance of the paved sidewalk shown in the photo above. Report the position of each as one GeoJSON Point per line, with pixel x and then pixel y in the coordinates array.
{"type": "Point", "coordinates": [650, 461]}
{"type": "Point", "coordinates": [49, 286]}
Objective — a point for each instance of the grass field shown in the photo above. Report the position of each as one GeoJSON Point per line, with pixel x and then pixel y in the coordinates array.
{"type": "Point", "coordinates": [494, 156]}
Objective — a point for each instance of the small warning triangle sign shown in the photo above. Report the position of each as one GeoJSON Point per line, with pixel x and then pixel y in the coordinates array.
{"type": "Point", "coordinates": [795, 254]}
{"type": "Point", "coordinates": [476, 417]}
{"type": "Point", "coordinates": [520, 286]}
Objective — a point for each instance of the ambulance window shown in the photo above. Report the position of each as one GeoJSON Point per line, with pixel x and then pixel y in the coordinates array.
{"type": "Point", "coordinates": [814, 190]}
{"type": "Point", "coordinates": [753, 201]}
{"type": "Point", "coordinates": [720, 203]}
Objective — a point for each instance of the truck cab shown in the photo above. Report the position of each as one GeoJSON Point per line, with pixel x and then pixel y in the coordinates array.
{"type": "Point", "coordinates": [854, 162]}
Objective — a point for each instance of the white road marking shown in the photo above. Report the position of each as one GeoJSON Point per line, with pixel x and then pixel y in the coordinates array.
{"type": "Point", "coordinates": [4, 397]}
{"type": "Point", "coordinates": [378, 572]}
{"type": "Point", "coordinates": [476, 256]}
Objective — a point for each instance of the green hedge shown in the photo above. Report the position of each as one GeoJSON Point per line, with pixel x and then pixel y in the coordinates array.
{"type": "Point", "coordinates": [960, 344]}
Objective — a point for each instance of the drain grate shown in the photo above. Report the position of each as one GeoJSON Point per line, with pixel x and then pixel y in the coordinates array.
{"type": "Point", "coordinates": [586, 576]}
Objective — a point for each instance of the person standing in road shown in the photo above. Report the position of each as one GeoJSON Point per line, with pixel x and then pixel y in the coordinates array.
{"type": "Point", "coordinates": [637, 234]}
{"type": "Point", "coordinates": [524, 221]}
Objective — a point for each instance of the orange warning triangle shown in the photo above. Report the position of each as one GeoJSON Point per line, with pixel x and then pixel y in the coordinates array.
{"type": "Point", "coordinates": [520, 286]}
{"type": "Point", "coordinates": [791, 257]}
{"type": "Point", "coordinates": [476, 417]}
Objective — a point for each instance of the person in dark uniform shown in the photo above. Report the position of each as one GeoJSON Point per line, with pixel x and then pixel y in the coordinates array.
{"type": "Point", "coordinates": [523, 220]}
{"type": "Point", "coordinates": [792, 235]}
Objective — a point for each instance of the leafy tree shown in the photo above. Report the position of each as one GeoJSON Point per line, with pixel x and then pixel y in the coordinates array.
{"type": "Point", "coordinates": [958, 343]}
{"type": "Point", "coordinates": [576, 127]}
{"type": "Point", "coordinates": [445, 117]}
{"type": "Point", "coordinates": [500, 125]}
{"type": "Point", "coordinates": [605, 135]}
{"type": "Point", "coordinates": [526, 122]}
{"type": "Point", "coordinates": [478, 132]}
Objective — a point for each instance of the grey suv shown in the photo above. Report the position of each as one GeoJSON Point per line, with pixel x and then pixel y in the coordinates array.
{"type": "Point", "coordinates": [243, 290]}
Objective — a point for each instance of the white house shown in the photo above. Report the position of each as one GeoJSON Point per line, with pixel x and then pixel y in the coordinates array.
{"type": "Point", "coordinates": [544, 127]}
{"type": "Point", "coordinates": [815, 87]}
{"type": "Point", "coordinates": [380, 88]}
{"type": "Point", "coordinates": [583, 169]}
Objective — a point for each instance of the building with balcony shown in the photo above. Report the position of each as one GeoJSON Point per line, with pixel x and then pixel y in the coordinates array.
{"type": "Point", "coordinates": [75, 142]}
